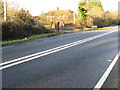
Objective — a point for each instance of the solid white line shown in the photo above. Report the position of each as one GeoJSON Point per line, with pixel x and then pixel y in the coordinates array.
{"type": "Point", "coordinates": [36, 54]}
{"type": "Point", "coordinates": [107, 72]}
{"type": "Point", "coordinates": [19, 59]}
{"type": "Point", "coordinates": [43, 53]}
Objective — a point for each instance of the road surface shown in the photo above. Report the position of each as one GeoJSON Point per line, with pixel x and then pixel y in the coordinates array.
{"type": "Point", "coordinates": [78, 65]}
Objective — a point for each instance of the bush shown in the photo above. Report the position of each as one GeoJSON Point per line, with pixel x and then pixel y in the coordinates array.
{"type": "Point", "coordinates": [19, 30]}
{"type": "Point", "coordinates": [79, 27]}
{"type": "Point", "coordinates": [100, 22]}
{"type": "Point", "coordinates": [112, 22]}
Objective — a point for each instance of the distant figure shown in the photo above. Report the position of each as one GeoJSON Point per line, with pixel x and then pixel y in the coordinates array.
{"type": "Point", "coordinates": [63, 23]}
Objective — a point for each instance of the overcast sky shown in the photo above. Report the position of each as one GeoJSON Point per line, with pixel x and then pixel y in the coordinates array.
{"type": "Point", "coordinates": [41, 6]}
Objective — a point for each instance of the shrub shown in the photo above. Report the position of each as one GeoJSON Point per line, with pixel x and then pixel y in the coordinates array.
{"type": "Point", "coordinates": [100, 22]}
{"type": "Point", "coordinates": [19, 30]}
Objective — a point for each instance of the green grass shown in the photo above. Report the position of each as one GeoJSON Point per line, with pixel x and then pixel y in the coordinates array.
{"type": "Point", "coordinates": [118, 83]}
{"type": "Point", "coordinates": [30, 38]}
{"type": "Point", "coordinates": [67, 28]}
{"type": "Point", "coordinates": [89, 29]}
{"type": "Point", "coordinates": [109, 27]}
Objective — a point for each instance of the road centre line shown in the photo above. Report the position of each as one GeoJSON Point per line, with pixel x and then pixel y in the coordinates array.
{"type": "Point", "coordinates": [14, 62]}
{"type": "Point", "coordinates": [106, 74]}
{"type": "Point", "coordinates": [33, 54]}
{"type": "Point", "coordinates": [41, 52]}
{"type": "Point", "coordinates": [44, 51]}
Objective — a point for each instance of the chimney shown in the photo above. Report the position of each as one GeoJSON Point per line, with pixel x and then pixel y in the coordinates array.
{"type": "Point", "coordinates": [57, 8]}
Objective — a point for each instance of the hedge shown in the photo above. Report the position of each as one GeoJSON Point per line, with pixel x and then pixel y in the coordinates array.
{"type": "Point", "coordinates": [13, 30]}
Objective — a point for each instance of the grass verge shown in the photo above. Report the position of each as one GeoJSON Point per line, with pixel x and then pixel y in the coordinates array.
{"type": "Point", "coordinates": [89, 29]}
{"type": "Point", "coordinates": [118, 83]}
{"type": "Point", "coordinates": [67, 28]}
{"type": "Point", "coordinates": [3, 43]}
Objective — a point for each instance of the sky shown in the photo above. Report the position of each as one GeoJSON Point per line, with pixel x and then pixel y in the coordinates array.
{"type": "Point", "coordinates": [37, 7]}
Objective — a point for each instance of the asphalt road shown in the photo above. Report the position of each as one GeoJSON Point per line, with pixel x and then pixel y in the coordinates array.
{"type": "Point", "coordinates": [80, 66]}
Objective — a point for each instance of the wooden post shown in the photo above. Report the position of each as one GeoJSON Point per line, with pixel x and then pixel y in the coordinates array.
{"type": "Point", "coordinates": [57, 27]}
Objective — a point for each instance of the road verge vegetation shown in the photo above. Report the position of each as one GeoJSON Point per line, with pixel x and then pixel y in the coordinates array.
{"type": "Point", "coordinates": [8, 42]}
{"type": "Point", "coordinates": [88, 29]}
{"type": "Point", "coordinates": [118, 83]}
{"type": "Point", "coordinates": [110, 27]}
{"type": "Point", "coordinates": [67, 28]}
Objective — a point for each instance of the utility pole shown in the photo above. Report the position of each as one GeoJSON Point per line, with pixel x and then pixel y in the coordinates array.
{"type": "Point", "coordinates": [5, 10]}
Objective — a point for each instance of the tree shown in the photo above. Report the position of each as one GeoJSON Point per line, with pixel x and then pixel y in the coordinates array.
{"type": "Point", "coordinates": [10, 11]}
{"type": "Point", "coordinates": [2, 10]}
{"type": "Point", "coordinates": [112, 17]}
{"type": "Point", "coordinates": [87, 12]}
{"type": "Point", "coordinates": [24, 16]}
{"type": "Point", "coordinates": [11, 14]}
{"type": "Point", "coordinates": [82, 13]}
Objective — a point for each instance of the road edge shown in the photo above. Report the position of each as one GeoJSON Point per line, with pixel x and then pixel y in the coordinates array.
{"type": "Point", "coordinates": [107, 72]}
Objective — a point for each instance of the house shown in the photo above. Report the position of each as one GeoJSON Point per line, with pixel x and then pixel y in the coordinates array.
{"type": "Point", "coordinates": [66, 16]}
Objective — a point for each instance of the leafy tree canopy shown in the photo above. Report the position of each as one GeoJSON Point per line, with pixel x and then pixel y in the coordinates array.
{"type": "Point", "coordinates": [2, 9]}
{"type": "Point", "coordinates": [24, 16]}
{"type": "Point", "coordinates": [92, 2]}
{"type": "Point", "coordinates": [82, 13]}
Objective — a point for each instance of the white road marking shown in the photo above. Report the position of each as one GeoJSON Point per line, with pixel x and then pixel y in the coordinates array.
{"type": "Point", "coordinates": [7, 47]}
{"type": "Point", "coordinates": [107, 72]}
{"type": "Point", "coordinates": [14, 62]}
{"type": "Point", "coordinates": [109, 60]}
